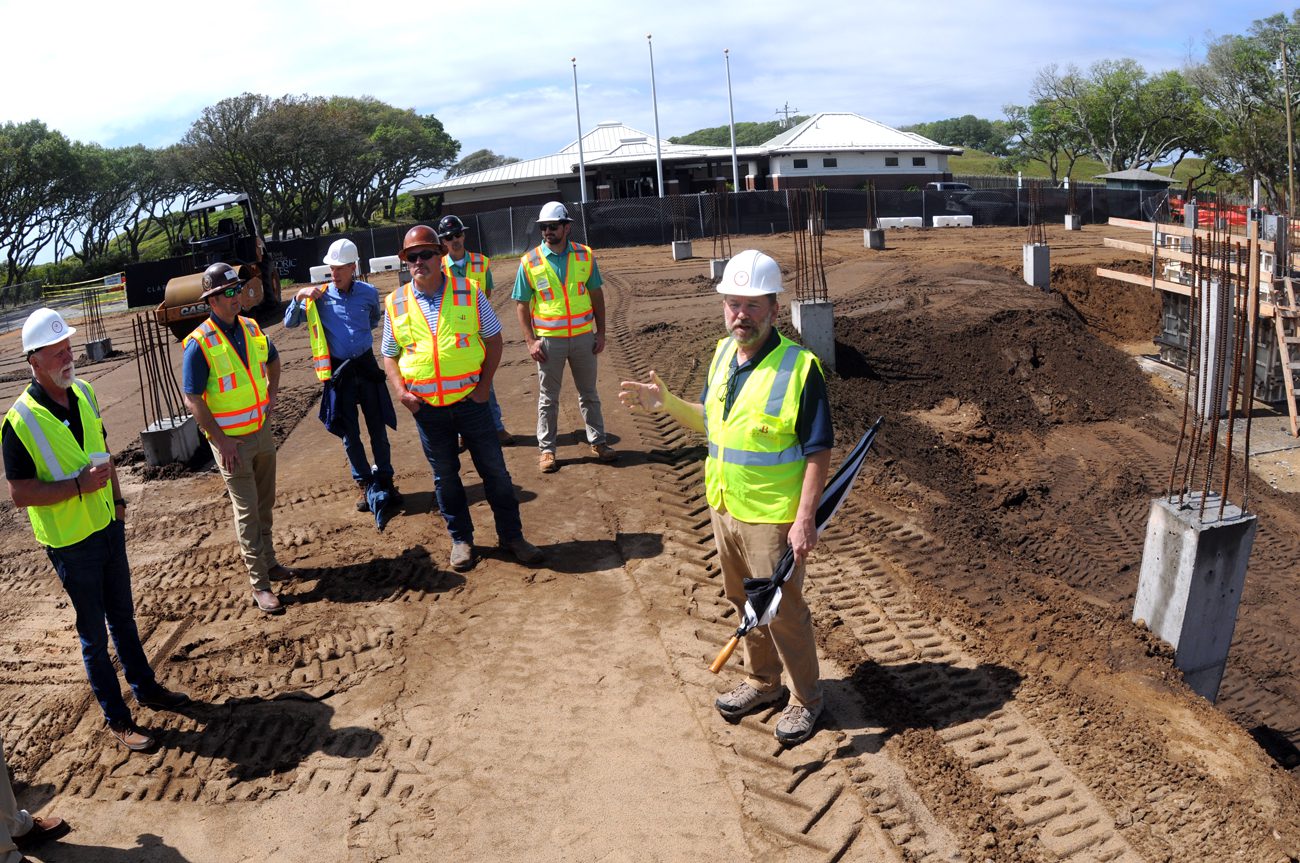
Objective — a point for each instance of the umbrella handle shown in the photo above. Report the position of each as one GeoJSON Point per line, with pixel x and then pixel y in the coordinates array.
{"type": "Point", "coordinates": [725, 654]}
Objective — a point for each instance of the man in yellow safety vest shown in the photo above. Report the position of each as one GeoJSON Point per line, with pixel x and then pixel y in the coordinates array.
{"type": "Point", "coordinates": [58, 466]}
{"type": "Point", "coordinates": [442, 344]}
{"type": "Point", "coordinates": [230, 380]}
{"type": "Point", "coordinates": [561, 311]}
{"type": "Point", "coordinates": [765, 412]}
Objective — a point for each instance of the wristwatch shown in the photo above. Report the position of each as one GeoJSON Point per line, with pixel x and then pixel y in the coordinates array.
{"type": "Point", "coordinates": [117, 501]}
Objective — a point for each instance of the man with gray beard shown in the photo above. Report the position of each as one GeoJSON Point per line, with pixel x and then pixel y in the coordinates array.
{"type": "Point", "coordinates": [58, 466]}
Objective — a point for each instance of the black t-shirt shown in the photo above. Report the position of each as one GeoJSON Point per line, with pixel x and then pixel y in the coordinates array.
{"type": "Point", "coordinates": [18, 461]}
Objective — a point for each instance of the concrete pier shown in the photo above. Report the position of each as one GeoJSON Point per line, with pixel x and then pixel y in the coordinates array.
{"type": "Point", "coordinates": [817, 227]}
{"type": "Point", "coordinates": [815, 323]}
{"type": "Point", "coordinates": [1193, 572]}
{"type": "Point", "coordinates": [716, 266]}
{"type": "Point", "coordinates": [1038, 265]}
{"type": "Point", "coordinates": [1073, 223]}
{"type": "Point", "coordinates": [169, 440]}
{"type": "Point", "coordinates": [682, 250]}
{"type": "Point", "coordinates": [98, 349]}
{"type": "Point", "coordinates": [873, 238]}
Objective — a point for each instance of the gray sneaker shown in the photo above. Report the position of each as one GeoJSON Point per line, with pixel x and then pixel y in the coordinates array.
{"type": "Point", "coordinates": [746, 699]}
{"type": "Point", "coordinates": [797, 723]}
{"type": "Point", "coordinates": [462, 556]}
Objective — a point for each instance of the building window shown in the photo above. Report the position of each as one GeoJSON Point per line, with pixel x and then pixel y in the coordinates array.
{"type": "Point", "coordinates": [829, 163]}
{"type": "Point", "coordinates": [918, 161]}
{"type": "Point", "coordinates": [801, 163]}
{"type": "Point", "coordinates": [891, 161]}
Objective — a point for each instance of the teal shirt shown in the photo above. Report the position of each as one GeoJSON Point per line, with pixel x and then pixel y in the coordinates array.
{"type": "Point", "coordinates": [458, 270]}
{"type": "Point", "coordinates": [523, 291]}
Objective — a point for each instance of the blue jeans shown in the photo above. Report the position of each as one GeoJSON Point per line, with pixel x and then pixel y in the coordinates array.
{"type": "Point", "coordinates": [367, 397]}
{"type": "Point", "coordinates": [495, 408]}
{"type": "Point", "coordinates": [438, 428]}
{"type": "Point", "coordinates": [97, 577]}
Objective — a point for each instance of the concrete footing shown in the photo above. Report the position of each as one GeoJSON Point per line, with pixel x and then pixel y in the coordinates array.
{"type": "Point", "coordinates": [873, 238]}
{"type": "Point", "coordinates": [98, 349]}
{"type": "Point", "coordinates": [1191, 582]}
{"type": "Point", "coordinates": [716, 266]}
{"type": "Point", "coordinates": [817, 227]}
{"type": "Point", "coordinates": [1073, 223]}
{"type": "Point", "coordinates": [170, 440]}
{"type": "Point", "coordinates": [815, 323]}
{"type": "Point", "coordinates": [1038, 265]}
{"type": "Point", "coordinates": [682, 250]}
{"type": "Point", "coordinates": [320, 273]}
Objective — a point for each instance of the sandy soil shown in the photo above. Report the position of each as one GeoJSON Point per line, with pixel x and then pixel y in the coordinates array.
{"type": "Point", "coordinates": [989, 698]}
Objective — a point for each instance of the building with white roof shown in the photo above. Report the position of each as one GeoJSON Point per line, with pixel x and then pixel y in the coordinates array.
{"type": "Point", "coordinates": [835, 150]}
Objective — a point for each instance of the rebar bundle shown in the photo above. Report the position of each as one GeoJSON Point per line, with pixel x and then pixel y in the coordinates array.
{"type": "Point", "coordinates": [722, 226]}
{"type": "Point", "coordinates": [1220, 377]}
{"type": "Point", "coordinates": [1037, 235]}
{"type": "Point", "coordinates": [806, 219]}
{"type": "Point", "coordinates": [160, 395]}
{"type": "Point", "coordinates": [92, 318]}
{"type": "Point", "coordinates": [873, 212]}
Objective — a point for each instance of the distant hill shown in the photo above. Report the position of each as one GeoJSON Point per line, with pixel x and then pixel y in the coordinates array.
{"type": "Point", "coordinates": [747, 134]}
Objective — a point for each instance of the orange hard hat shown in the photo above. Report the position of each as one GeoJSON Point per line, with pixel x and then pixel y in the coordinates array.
{"type": "Point", "coordinates": [420, 235]}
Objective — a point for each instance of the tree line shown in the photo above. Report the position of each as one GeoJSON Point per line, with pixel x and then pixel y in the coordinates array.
{"type": "Point", "coordinates": [1230, 109]}
{"type": "Point", "coordinates": [305, 162]}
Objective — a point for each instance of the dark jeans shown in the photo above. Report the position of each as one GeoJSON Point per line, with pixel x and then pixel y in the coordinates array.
{"type": "Point", "coordinates": [97, 577]}
{"type": "Point", "coordinates": [358, 385]}
{"type": "Point", "coordinates": [472, 421]}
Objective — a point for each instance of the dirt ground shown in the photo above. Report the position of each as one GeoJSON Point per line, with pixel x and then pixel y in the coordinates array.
{"type": "Point", "coordinates": [989, 698]}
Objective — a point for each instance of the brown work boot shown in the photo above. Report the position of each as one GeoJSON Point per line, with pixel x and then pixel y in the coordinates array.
{"type": "Point", "coordinates": [604, 452]}
{"type": "Point", "coordinates": [363, 504]}
{"type": "Point", "coordinates": [546, 463]}
{"type": "Point", "coordinates": [523, 550]}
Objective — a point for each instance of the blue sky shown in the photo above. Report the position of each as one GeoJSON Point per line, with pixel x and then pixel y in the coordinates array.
{"type": "Point", "coordinates": [498, 74]}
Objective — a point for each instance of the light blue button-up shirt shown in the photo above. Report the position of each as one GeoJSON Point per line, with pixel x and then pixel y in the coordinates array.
{"type": "Point", "coordinates": [349, 318]}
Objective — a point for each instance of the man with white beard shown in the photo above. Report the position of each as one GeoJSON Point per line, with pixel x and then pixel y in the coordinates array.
{"type": "Point", "coordinates": [58, 466]}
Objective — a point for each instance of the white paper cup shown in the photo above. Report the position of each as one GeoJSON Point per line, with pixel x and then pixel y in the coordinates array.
{"type": "Point", "coordinates": [98, 459]}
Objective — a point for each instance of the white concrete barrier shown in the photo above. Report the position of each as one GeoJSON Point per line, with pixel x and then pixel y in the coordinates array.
{"type": "Point", "coordinates": [384, 264]}
{"type": "Point", "coordinates": [901, 222]}
{"type": "Point", "coordinates": [953, 221]}
{"type": "Point", "coordinates": [320, 273]}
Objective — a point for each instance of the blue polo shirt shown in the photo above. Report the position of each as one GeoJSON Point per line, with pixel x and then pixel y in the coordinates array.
{"type": "Point", "coordinates": [488, 323]}
{"type": "Point", "coordinates": [348, 318]}
{"type": "Point", "coordinates": [523, 291]}
{"type": "Point", "coordinates": [194, 365]}
{"type": "Point", "coordinates": [813, 425]}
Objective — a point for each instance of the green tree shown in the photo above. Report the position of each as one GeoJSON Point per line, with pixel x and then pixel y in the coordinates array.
{"type": "Point", "coordinates": [39, 178]}
{"type": "Point", "coordinates": [479, 160]}
{"type": "Point", "coordinates": [969, 131]}
{"type": "Point", "coordinates": [747, 134]}
{"type": "Point", "coordinates": [1042, 132]}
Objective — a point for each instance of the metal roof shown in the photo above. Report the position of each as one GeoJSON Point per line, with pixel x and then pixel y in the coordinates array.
{"type": "Point", "coordinates": [1137, 175]}
{"type": "Point", "coordinates": [829, 131]}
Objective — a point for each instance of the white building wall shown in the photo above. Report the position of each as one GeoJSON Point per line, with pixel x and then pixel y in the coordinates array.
{"type": "Point", "coordinates": [872, 162]}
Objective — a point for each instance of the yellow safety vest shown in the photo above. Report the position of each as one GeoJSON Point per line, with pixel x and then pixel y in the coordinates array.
{"type": "Point", "coordinates": [444, 369]}
{"type": "Point", "coordinates": [237, 394]}
{"type": "Point", "coordinates": [320, 349]}
{"type": "Point", "coordinates": [560, 311]}
{"type": "Point", "coordinates": [755, 465]}
{"type": "Point", "coordinates": [476, 269]}
{"type": "Point", "coordinates": [57, 455]}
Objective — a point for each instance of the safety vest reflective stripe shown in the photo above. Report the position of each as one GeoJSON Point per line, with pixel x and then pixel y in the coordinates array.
{"type": "Point", "coordinates": [560, 309]}
{"type": "Point", "coordinates": [43, 443]}
{"type": "Point", "coordinates": [239, 407]}
{"type": "Point", "coordinates": [757, 458]}
{"type": "Point", "coordinates": [447, 386]}
{"type": "Point", "coordinates": [439, 366]}
{"type": "Point", "coordinates": [320, 349]}
{"type": "Point", "coordinates": [564, 323]}
{"type": "Point", "coordinates": [782, 383]}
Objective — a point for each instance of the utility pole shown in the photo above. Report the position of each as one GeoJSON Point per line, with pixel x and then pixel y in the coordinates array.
{"type": "Point", "coordinates": [787, 112]}
{"type": "Point", "coordinates": [1290, 143]}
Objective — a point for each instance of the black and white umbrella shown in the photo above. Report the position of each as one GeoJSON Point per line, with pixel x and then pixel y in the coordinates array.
{"type": "Point", "coordinates": [763, 595]}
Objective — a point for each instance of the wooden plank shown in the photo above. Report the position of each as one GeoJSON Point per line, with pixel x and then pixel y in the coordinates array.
{"type": "Point", "coordinates": [1180, 231]}
{"type": "Point", "coordinates": [1170, 254]}
{"type": "Point", "coordinates": [1265, 309]}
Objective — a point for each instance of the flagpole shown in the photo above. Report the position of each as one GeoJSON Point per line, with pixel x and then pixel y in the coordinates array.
{"type": "Point", "coordinates": [654, 100]}
{"type": "Point", "coordinates": [731, 113]}
{"type": "Point", "coordinates": [582, 168]}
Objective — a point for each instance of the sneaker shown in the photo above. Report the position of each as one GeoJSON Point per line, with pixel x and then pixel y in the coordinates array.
{"type": "Point", "coordinates": [523, 550]}
{"type": "Point", "coordinates": [162, 698]}
{"type": "Point", "coordinates": [131, 736]}
{"type": "Point", "coordinates": [746, 699]}
{"type": "Point", "coordinates": [462, 556]}
{"type": "Point", "coordinates": [546, 463]}
{"type": "Point", "coordinates": [797, 723]}
{"type": "Point", "coordinates": [604, 452]}
{"type": "Point", "coordinates": [363, 504]}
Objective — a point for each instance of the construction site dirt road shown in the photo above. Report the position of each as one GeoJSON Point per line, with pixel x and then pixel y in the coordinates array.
{"type": "Point", "coordinates": [989, 698]}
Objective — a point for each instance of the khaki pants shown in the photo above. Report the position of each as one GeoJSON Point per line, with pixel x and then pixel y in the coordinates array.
{"type": "Point", "coordinates": [252, 495]}
{"type": "Point", "coordinates": [13, 821]}
{"type": "Point", "coordinates": [576, 353]}
{"type": "Point", "coordinates": [752, 551]}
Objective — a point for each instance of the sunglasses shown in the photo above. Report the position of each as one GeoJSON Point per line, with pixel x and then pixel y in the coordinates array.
{"type": "Point", "coordinates": [423, 255]}
{"type": "Point", "coordinates": [231, 291]}
{"type": "Point", "coordinates": [550, 226]}
{"type": "Point", "coordinates": [455, 236]}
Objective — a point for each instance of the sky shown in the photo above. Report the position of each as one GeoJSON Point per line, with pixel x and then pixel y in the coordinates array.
{"type": "Point", "coordinates": [499, 74]}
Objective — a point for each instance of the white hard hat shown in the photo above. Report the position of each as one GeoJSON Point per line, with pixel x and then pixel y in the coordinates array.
{"type": "Point", "coordinates": [553, 211]}
{"type": "Point", "coordinates": [750, 274]}
{"type": "Point", "coordinates": [45, 327]}
{"type": "Point", "coordinates": [341, 253]}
